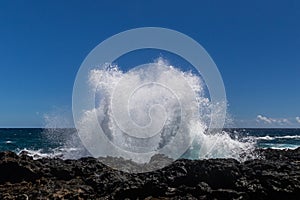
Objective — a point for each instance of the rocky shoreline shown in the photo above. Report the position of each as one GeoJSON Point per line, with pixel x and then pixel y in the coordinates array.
{"type": "Point", "coordinates": [276, 175]}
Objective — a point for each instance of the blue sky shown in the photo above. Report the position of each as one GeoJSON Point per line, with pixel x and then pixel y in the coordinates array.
{"type": "Point", "coordinates": [256, 46]}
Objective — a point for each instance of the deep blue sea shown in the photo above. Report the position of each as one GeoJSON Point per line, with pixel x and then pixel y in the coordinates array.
{"type": "Point", "coordinates": [62, 142]}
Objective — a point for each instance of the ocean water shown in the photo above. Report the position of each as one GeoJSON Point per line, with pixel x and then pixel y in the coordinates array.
{"type": "Point", "coordinates": [66, 144]}
{"type": "Point", "coordinates": [39, 142]}
{"type": "Point", "coordinates": [271, 138]}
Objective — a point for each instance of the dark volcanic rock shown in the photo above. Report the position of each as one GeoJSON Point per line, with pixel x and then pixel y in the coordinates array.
{"type": "Point", "coordinates": [276, 175]}
{"type": "Point", "coordinates": [14, 169]}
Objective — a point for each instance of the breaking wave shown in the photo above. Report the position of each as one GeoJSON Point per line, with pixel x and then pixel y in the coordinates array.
{"type": "Point", "coordinates": [155, 109]}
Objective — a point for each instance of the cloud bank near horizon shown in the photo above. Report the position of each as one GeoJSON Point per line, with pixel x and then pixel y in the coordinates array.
{"type": "Point", "coordinates": [277, 122]}
{"type": "Point", "coordinates": [264, 121]}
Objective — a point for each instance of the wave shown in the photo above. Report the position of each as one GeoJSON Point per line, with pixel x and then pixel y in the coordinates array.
{"type": "Point", "coordinates": [59, 152]}
{"type": "Point", "coordinates": [280, 146]}
{"type": "Point", "coordinates": [9, 142]}
{"type": "Point", "coordinates": [267, 137]}
{"type": "Point", "coordinates": [164, 103]}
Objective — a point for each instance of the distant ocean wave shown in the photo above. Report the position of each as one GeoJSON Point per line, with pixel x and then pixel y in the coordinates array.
{"type": "Point", "coordinates": [280, 146]}
{"type": "Point", "coordinates": [267, 137]}
{"type": "Point", "coordinates": [63, 153]}
{"type": "Point", "coordinates": [9, 142]}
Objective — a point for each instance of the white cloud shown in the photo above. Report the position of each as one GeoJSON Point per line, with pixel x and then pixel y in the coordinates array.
{"type": "Point", "coordinates": [298, 119]}
{"type": "Point", "coordinates": [264, 119]}
{"type": "Point", "coordinates": [269, 120]}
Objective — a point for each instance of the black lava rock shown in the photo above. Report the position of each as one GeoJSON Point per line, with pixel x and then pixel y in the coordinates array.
{"type": "Point", "coordinates": [275, 175]}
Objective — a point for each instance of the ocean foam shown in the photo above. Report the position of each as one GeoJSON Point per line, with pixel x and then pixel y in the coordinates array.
{"type": "Point", "coordinates": [150, 106]}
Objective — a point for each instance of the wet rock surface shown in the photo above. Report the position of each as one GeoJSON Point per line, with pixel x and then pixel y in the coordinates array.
{"type": "Point", "coordinates": [276, 175]}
